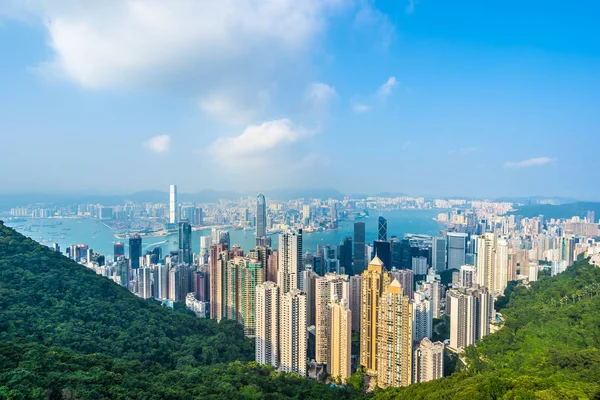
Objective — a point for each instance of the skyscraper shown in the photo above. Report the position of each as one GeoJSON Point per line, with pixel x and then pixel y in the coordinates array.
{"type": "Point", "coordinates": [406, 277]}
{"type": "Point", "coordinates": [135, 251]}
{"type": "Point", "coordinates": [382, 229]}
{"type": "Point", "coordinates": [360, 261]}
{"type": "Point", "coordinates": [340, 341]}
{"type": "Point", "coordinates": [329, 288]}
{"type": "Point", "coordinates": [345, 256]}
{"type": "Point", "coordinates": [374, 281]}
{"type": "Point", "coordinates": [292, 337]}
{"type": "Point", "coordinates": [501, 270]}
{"type": "Point", "coordinates": [118, 250]}
{"type": "Point", "coordinates": [457, 249]}
{"type": "Point", "coordinates": [422, 316]}
{"type": "Point", "coordinates": [438, 254]}
{"type": "Point", "coordinates": [251, 275]}
{"type": "Point", "coordinates": [355, 301]}
{"type": "Point", "coordinates": [267, 324]}
{"type": "Point", "coordinates": [291, 267]}
{"type": "Point", "coordinates": [486, 259]}
{"type": "Point", "coordinates": [173, 206]}
{"type": "Point", "coordinates": [470, 314]}
{"type": "Point", "coordinates": [394, 338]}
{"type": "Point", "coordinates": [383, 250]}
{"type": "Point", "coordinates": [261, 221]}
{"type": "Point", "coordinates": [429, 361]}
{"type": "Point", "coordinates": [185, 242]}
{"type": "Point", "coordinates": [205, 242]}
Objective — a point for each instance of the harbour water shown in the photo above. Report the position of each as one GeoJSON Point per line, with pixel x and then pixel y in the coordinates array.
{"type": "Point", "coordinates": [101, 238]}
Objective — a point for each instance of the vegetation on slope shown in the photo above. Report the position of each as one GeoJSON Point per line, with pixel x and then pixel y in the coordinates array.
{"type": "Point", "coordinates": [562, 211]}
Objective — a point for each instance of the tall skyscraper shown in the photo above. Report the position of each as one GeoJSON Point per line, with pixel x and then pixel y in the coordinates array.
{"type": "Point", "coordinates": [486, 259]}
{"type": "Point", "coordinates": [406, 277]}
{"type": "Point", "coordinates": [135, 251]}
{"type": "Point", "coordinates": [457, 249]}
{"type": "Point", "coordinates": [291, 267]}
{"type": "Point", "coordinates": [360, 259]}
{"type": "Point", "coordinates": [382, 229]}
{"type": "Point", "coordinates": [251, 275]}
{"type": "Point", "coordinates": [429, 361]}
{"type": "Point", "coordinates": [422, 316]}
{"type": "Point", "coordinates": [470, 314]}
{"type": "Point", "coordinates": [119, 250]}
{"type": "Point", "coordinates": [340, 341]}
{"type": "Point", "coordinates": [261, 221]}
{"type": "Point", "coordinates": [267, 324]}
{"type": "Point", "coordinates": [374, 281]}
{"type": "Point", "coordinates": [329, 288]}
{"type": "Point", "coordinates": [394, 338]}
{"type": "Point", "coordinates": [438, 254]}
{"type": "Point", "coordinates": [501, 270]}
{"type": "Point", "coordinates": [185, 242]}
{"type": "Point", "coordinates": [173, 205]}
{"type": "Point", "coordinates": [161, 282]}
{"type": "Point", "coordinates": [345, 256]}
{"type": "Point", "coordinates": [292, 337]}
{"type": "Point", "coordinates": [355, 301]}
{"type": "Point", "coordinates": [383, 250]}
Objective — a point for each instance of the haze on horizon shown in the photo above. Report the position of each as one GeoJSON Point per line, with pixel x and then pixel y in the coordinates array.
{"type": "Point", "coordinates": [419, 97]}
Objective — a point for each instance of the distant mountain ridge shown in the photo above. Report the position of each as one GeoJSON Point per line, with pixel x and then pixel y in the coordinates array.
{"type": "Point", "coordinates": [562, 211]}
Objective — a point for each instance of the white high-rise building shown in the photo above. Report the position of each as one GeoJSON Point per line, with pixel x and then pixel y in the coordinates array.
{"type": "Point", "coordinates": [173, 206]}
{"type": "Point", "coordinates": [486, 260]}
{"type": "Point", "coordinates": [329, 288]}
{"type": "Point", "coordinates": [290, 269]}
{"type": "Point", "coordinates": [422, 316]}
{"type": "Point", "coordinates": [467, 276]}
{"type": "Point", "coordinates": [501, 270]}
{"type": "Point", "coordinates": [292, 332]}
{"type": "Point", "coordinates": [470, 315]}
{"type": "Point", "coordinates": [429, 361]}
{"type": "Point", "coordinates": [267, 324]}
{"type": "Point", "coordinates": [205, 242]}
{"type": "Point", "coordinates": [339, 365]}
{"type": "Point", "coordinates": [433, 289]}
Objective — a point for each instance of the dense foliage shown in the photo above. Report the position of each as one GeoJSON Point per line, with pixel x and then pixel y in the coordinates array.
{"type": "Point", "coordinates": [66, 333]}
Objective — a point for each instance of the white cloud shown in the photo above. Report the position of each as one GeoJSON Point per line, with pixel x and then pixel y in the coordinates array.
{"type": "Point", "coordinates": [360, 108]}
{"type": "Point", "coordinates": [158, 144]}
{"type": "Point", "coordinates": [386, 89]}
{"type": "Point", "coordinates": [369, 19]}
{"type": "Point", "coordinates": [532, 162]}
{"type": "Point", "coordinates": [233, 108]}
{"type": "Point", "coordinates": [319, 95]}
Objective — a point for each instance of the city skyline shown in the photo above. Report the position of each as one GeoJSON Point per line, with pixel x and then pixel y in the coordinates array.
{"type": "Point", "coordinates": [438, 86]}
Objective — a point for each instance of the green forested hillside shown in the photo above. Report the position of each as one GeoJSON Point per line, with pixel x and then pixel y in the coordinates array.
{"type": "Point", "coordinates": [67, 333]}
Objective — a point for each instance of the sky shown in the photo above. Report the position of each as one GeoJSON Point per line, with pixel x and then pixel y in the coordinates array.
{"type": "Point", "coordinates": [423, 97]}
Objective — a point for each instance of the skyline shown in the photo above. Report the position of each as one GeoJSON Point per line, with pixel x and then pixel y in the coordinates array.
{"type": "Point", "coordinates": [420, 98]}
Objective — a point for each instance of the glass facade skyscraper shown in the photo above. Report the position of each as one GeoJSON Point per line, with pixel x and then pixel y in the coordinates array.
{"type": "Point", "coordinates": [360, 262]}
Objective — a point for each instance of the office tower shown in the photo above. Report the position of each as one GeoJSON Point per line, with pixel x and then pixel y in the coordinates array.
{"type": "Point", "coordinates": [354, 301]}
{"type": "Point", "coordinates": [345, 256]}
{"type": "Point", "coordinates": [396, 248]}
{"type": "Point", "coordinates": [205, 242]}
{"type": "Point", "coordinates": [119, 251]}
{"type": "Point", "coordinates": [310, 288]}
{"type": "Point", "coordinates": [135, 251]}
{"type": "Point", "coordinates": [251, 275]}
{"type": "Point", "coordinates": [383, 250]}
{"type": "Point", "coordinates": [144, 281]}
{"type": "Point", "coordinates": [267, 324]}
{"type": "Point", "coordinates": [185, 243]}
{"type": "Point", "coordinates": [501, 270]}
{"type": "Point", "coordinates": [470, 314]}
{"type": "Point", "coordinates": [394, 338]}
{"type": "Point", "coordinates": [374, 281]}
{"type": "Point", "coordinates": [292, 335]}
{"type": "Point", "coordinates": [467, 276]}
{"type": "Point", "coordinates": [198, 216]}
{"type": "Point", "coordinates": [161, 282]}
{"type": "Point", "coordinates": [382, 229]}
{"type": "Point", "coordinates": [261, 216]}
{"type": "Point", "coordinates": [457, 249]}
{"type": "Point", "coordinates": [173, 205]}
{"type": "Point", "coordinates": [272, 265]}
{"type": "Point", "coordinates": [340, 341]}
{"type": "Point", "coordinates": [486, 260]}
{"type": "Point", "coordinates": [438, 254]}
{"type": "Point", "coordinates": [122, 272]}
{"type": "Point", "coordinates": [406, 277]}
{"type": "Point", "coordinates": [329, 288]}
{"type": "Point", "coordinates": [422, 316]}
{"type": "Point", "coordinates": [224, 239]}
{"type": "Point", "coordinates": [290, 268]}
{"type": "Point", "coordinates": [419, 265]}
{"type": "Point", "coordinates": [429, 361]}
{"type": "Point", "coordinates": [360, 261]}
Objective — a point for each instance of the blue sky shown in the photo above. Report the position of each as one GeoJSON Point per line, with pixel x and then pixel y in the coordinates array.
{"type": "Point", "coordinates": [425, 97]}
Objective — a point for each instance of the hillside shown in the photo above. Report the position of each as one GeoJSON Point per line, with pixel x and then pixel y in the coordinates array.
{"type": "Point", "coordinates": [562, 211]}
{"type": "Point", "coordinates": [67, 333]}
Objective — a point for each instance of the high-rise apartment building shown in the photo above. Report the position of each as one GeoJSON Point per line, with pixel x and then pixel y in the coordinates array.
{"type": "Point", "coordinates": [161, 282]}
{"type": "Point", "coordinates": [422, 316]}
{"type": "Point", "coordinates": [486, 260]}
{"type": "Point", "coordinates": [329, 288]}
{"type": "Point", "coordinates": [374, 281]}
{"type": "Point", "coordinates": [394, 338]}
{"type": "Point", "coordinates": [406, 277]}
{"type": "Point", "coordinates": [251, 275]}
{"type": "Point", "coordinates": [501, 270]}
{"type": "Point", "coordinates": [267, 324]}
{"type": "Point", "coordinates": [340, 341]}
{"type": "Point", "coordinates": [291, 267]}
{"type": "Point", "coordinates": [360, 261]}
{"type": "Point", "coordinates": [292, 336]}
{"type": "Point", "coordinates": [470, 315]}
{"type": "Point", "coordinates": [429, 361]}
{"type": "Point", "coordinates": [173, 205]}
{"type": "Point", "coordinates": [457, 249]}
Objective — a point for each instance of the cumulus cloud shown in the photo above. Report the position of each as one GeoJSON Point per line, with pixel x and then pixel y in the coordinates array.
{"type": "Point", "coordinates": [320, 94]}
{"type": "Point", "coordinates": [158, 144]}
{"type": "Point", "coordinates": [531, 162]}
{"type": "Point", "coordinates": [234, 108]}
{"type": "Point", "coordinates": [369, 19]}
